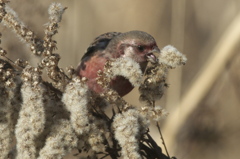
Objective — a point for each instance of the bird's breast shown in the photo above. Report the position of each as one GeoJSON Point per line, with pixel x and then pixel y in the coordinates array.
{"type": "Point", "coordinates": [90, 71]}
{"type": "Point", "coordinates": [121, 85]}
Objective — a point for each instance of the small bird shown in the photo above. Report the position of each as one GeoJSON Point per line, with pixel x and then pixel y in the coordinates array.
{"type": "Point", "coordinates": [137, 45]}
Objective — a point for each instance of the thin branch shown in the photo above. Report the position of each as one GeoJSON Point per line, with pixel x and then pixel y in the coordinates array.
{"type": "Point", "coordinates": [163, 142]}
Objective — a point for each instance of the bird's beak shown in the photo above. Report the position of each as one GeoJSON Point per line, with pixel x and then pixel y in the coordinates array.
{"type": "Point", "coordinates": [151, 56]}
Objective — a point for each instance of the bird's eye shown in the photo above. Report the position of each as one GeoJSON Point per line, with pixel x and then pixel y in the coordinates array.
{"type": "Point", "coordinates": [140, 48]}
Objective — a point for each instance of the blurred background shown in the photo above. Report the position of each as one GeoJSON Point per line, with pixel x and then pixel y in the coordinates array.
{"type": "Point", "coordinates": [204, 95]}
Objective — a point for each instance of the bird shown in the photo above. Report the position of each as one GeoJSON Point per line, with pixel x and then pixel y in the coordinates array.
{"type": "Point", "coordinates": [137, 45]}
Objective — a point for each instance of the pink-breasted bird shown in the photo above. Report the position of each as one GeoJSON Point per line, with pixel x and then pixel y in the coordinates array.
{"type": "Point", "coordinates": [138, 45]}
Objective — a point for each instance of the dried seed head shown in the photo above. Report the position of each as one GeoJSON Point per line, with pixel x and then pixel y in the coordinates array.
{"type": "Point", "coordinates": [32, 75]}
{"type": "Point", "coordinates": [171, 57]}
{"type": "Point", "coordinates": [2, 52]}
{"type": "Point", "coordinates": [21, 63]}
{"type": "Point", "coordinates": [55, 11]}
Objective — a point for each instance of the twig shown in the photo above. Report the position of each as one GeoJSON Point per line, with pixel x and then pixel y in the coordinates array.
{"type": "Point", "coordinates": [161, 136]}
{"type": "Point", "coordinates": [163, 142]}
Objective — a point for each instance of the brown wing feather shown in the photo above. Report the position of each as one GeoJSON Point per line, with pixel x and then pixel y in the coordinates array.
{"type": "Point", "coordinates": [97, 46]}
{"type": "Point", "coordinates": [100, 43]}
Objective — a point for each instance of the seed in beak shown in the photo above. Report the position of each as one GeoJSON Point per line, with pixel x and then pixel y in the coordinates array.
{"type": "Point", "coordinates": [152, 58]}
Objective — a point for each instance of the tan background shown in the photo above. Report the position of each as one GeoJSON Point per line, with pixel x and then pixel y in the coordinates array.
{"type": "Point", "coordinates": [204, 96]}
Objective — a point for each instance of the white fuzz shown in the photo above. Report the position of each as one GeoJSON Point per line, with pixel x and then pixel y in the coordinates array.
{"type": "Point", "coordinates": [171, 57]}
{"type": "Point", "coordinates": [60, 141]}
{"type": "Point", "coordinates": [9, 104]}
{"type": "Point", "coordinates": [156, 113]}
{"type": "Point", "coordinates": [12, 20]}
{"type": "Point", "coordinates": [5, 120]}
{"type": "Point", "coordinates": [31, 117]}
{"type": "Point", "coordinates": [99, 130]}
{"type": "Point", "coordinates": [75, 99]}
{"type": "Point", "coordinates": [55, 11]}
{"type": "Point", "coordinates": [95, 139]}
{"type": "Point", "coordinates": [127, 68]}
{"type": "Point", "coordinates": [14, 16]}
{"type": "Point", "coordinates": [127, 128]}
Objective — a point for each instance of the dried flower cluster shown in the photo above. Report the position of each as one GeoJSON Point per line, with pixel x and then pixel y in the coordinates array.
{"type": "Point", "coordinates": [49, 119]}
{"type": "Point", "coordinates": [7, 110]}
{"type": "Point", "coordinates": [128, 68]}
{"type": "Point", "coordinates": [31, 116]}
{"type": "Point", "coordinates": [10, 19]}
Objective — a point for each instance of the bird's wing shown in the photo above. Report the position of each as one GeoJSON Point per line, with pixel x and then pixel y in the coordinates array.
{"type": "Point", "coordinates": [99, 44]}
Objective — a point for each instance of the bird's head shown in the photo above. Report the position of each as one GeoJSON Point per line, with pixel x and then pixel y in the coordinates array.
{"type": "Point", "coordinates": [138, 45]}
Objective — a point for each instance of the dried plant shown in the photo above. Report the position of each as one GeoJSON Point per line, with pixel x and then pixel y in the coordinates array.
{"type": "Point", "coordinates": [51, 118]}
